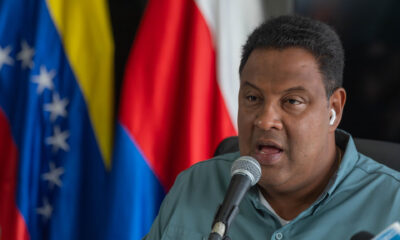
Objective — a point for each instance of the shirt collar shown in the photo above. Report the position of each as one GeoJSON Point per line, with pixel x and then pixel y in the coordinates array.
{"type": "Point", "coordinates": [349, 159]}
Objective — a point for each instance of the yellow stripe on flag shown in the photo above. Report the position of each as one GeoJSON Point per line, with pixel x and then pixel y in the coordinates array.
{"type": "Point", "coordinates": [85, 30]}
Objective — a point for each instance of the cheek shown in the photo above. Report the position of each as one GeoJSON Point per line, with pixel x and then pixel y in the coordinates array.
{"type": "Point", "coordinates": [306, 136]}
{"type": "Point", "coordinates": [245, 127]}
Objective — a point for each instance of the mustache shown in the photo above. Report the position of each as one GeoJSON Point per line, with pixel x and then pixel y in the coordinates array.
{"type": "Point", "coordinates": [271, 135]}
{"type": "Point", "coordinates": [269, 138]}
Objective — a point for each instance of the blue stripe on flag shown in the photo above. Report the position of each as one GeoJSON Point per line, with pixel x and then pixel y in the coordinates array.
{"type": "Point", "coordinates": [135, 191]}
{"type": "Point", "coordinates": [77, 196]}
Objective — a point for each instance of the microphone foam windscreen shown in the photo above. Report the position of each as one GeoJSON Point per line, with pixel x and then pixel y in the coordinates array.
{"type": "Point", "coordinates": [249, 166]}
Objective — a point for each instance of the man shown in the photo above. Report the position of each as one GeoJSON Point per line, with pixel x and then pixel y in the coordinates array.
{"type": "Point", "coordinates": [314, 183]}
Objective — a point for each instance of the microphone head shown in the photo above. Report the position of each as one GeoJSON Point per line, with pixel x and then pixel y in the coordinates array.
{"type": "Point", "coordinates": [362, 236]}
{"type": "Point", "coordinates": [248, 166]}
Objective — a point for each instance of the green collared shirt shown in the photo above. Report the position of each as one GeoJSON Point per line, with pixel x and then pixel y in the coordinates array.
{"type": "Point", "coordinates": [363, 195]}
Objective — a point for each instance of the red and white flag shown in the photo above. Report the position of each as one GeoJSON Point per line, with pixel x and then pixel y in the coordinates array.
{"type": "Point", "coordinates": [179, 96]}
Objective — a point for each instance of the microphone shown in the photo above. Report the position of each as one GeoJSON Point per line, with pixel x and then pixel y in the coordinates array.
{"type": "Point", "coordinates": [390, 233]}
{"type": "Point", "coordinates": [245, 172]}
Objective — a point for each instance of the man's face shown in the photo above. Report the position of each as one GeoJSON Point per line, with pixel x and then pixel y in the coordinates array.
{"type": "Point", "coordinates": [283, 117]}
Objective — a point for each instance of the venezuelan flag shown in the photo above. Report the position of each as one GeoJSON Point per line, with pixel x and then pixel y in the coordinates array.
{"type": "Point", "coordinates": [56, 108]}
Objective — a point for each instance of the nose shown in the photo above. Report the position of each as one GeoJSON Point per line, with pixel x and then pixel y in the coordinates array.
{"type": "Point", "coordinates": [268, 119]}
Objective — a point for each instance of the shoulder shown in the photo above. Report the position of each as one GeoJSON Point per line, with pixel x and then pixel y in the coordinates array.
{"type": "Point", "coordinates": [203, 170]}
{"type": "Point", "coordinates": [372, 168]}
{"type": "Point", "coordinates": [371, 183]}
{"type": "Point", "coordinates": [206, 178]}
{"type": "Point", "coordinates": [374, 186]}
{"type": "Point", "coordinates": [197, 191]}
{"type": "Point", "coordinates": [211, 175]}
{"type": "Point", "coordinates": [360, 169]}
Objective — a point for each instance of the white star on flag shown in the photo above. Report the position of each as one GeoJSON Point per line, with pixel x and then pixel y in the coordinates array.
{"type": "Point", "coordinates": [57, 107]}
{"type": "Point", "coordinates": [44, 79]}
{"type": "Point", "coordinates": [4, 56]}
{"type": "Point", "coordinates": [53, 176]}
{"type": "Point", "coordinates": [46, 210]}
{"type": "Point", "coordinates": [25, 55]}
{"type": "Point", "coordinates": [58, 140]}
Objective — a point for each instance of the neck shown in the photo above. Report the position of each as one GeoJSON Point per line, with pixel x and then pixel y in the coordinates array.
{"type": "Point", "coordinates": [289, 204]}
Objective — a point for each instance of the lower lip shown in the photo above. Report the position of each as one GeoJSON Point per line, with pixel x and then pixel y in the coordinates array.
{"type": "Point", "coordinates": [268, 158]}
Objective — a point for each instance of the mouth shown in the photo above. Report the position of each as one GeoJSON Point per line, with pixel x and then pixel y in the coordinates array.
{"type": "Point", "coordinates": [268, 152]}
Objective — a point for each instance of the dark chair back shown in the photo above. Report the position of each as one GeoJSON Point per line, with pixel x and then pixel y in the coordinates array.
{"type": "Point", "coordinates": [387, 153]}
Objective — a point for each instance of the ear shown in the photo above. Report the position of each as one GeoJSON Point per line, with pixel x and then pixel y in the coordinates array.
{"type": "Point", "coordinates": [336, 102]}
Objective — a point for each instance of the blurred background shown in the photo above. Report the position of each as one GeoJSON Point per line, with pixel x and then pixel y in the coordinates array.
{"type": "Point", "coordinates": [370, 32]}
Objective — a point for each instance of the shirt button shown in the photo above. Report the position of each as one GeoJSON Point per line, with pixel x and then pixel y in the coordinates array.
{"type": "Point", "coordinates": [278, 236]}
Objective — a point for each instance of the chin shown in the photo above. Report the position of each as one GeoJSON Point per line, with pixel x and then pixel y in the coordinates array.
{"type": "Point", "coordinates": [271, 181]}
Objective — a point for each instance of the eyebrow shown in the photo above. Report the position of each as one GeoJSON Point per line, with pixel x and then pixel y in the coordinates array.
{"type": "Point", "coordinates": [292, 89]}
{"type": "Point", "coordinates": [246, 83]}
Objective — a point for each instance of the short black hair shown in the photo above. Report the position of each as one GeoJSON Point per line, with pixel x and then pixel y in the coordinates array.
{"type": "Point", "coordinates": [296, 31]}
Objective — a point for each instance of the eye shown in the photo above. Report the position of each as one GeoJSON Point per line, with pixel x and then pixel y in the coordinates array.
{"type": "Point", "coordinates": [251, 98]}
{"type": "Point", "coordinates": [294, 101]}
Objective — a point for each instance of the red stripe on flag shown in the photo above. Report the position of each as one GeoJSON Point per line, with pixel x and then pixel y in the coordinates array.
{"type": "Point", "coordinates": [12, 224]}
{"type": "Point", "coordinates": [171, 102]}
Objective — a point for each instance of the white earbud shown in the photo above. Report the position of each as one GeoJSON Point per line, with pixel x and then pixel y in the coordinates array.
{"type": "Point", "coordinates": [333, 117]}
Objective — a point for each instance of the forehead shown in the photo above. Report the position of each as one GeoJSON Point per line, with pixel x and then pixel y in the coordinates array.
{"type": "Point", "coordinates": [282, 69]}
